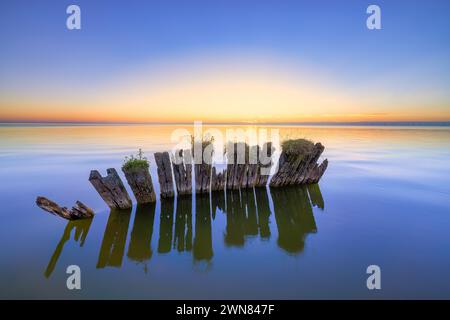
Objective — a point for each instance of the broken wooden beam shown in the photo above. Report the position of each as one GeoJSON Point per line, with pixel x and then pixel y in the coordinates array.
{"type": "Point", "coordinates": [79, 211]}
{"type": "Point", "coordinates": [111, 189]}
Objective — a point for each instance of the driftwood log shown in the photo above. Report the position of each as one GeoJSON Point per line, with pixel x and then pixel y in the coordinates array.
{"type": "Point", "coordinates": [182, 171]}
{"type": "Point", "coordinates": [164, 174]}
{"type": "Point", "coordinates": [141, 184]}
{"type": "Point", "coordinates": [79, 211]}
{"type": "Point", "coordinates": [111, 189]}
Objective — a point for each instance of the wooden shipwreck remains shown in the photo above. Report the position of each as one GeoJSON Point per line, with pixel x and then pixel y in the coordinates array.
{"type": "Point", "coordinates": [141, 184]}
{"type": "Point", "coordinates": [79, 211]}
{"type": "Point", "coordinates": [164, 174]}
{"type": "Point", "coordinates": [298, 163]}
{"type": "Point", "coordinates": [247, 167]}
{"type": "Point", "coordinates": [111, 189]}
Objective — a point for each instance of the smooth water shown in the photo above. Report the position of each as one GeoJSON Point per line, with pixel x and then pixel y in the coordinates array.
{"type": "Point", "coordinates": [384, 200]}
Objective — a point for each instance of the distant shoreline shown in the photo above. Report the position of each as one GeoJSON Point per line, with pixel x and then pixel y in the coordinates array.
{"type": "Point", "coordinates": [281, 124]}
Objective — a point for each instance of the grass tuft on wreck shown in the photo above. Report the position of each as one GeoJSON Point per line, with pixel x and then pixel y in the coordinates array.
{"type": "Point", "coordinates": [297, 147]}
{"type": "Point", "coordinates": [135, 162]}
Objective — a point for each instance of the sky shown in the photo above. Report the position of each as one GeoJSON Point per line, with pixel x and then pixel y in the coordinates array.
{"type": "Point", "coordinates": [224, 61]}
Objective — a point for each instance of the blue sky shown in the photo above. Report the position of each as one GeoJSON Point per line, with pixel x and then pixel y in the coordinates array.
{"type": "Point", "coordinates": [410, 53]}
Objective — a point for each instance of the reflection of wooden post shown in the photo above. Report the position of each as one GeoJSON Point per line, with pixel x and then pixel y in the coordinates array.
{"type": "Point", "coordinates": [182, 171]}
{"type": "Point", "coordinates": [166, 225]}
{"type": "Point", "coordinates": [141, 184]}
{"type": "Point", "coordinates": [262, 202]}
{"type": "Point", "coordinates": [111, 189]}
{"type": "Point", "coordinates": [114, 238]}
{"type": "Point", "coordinates": [316, 196]}
{"type": "Point", "coordinates": [251, 220]}
{"type": "Point", "coordinates": [294, 217]}
{"type": "Point", "coordinates": [183, 225]}
{"type": "Point", "coordinates": [139, 248]}
{"type": "Point", "coordinates": [164, 174]}
{"type": "Point", "coordinates": [202, 247]}
{"type": "Point", "coordinates": [235, 233]}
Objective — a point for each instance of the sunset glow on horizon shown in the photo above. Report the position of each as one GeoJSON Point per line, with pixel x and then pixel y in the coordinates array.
{"type": "Point", "coordinates": [205, 69]}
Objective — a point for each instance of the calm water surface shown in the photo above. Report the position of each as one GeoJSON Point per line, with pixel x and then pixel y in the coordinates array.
{"type": "Point", "coordinates": [384, 200]}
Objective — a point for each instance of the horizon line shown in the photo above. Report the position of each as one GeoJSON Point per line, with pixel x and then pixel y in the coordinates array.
{"type": "Point", "coordinates": [247, 123]}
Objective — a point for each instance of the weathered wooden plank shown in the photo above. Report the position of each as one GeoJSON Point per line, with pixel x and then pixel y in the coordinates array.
{"type": "Point", "coordinates": [264, 168]}
{"type": "Point", "coordinates": [164, 174]}
{"type": "Point", "coordinates": [111, 189]}
{"type": "Point", "coordinates": [298, 164]}
{"type": "Point", "coordinates": [79, 211]}
{"type": "Point", "coordinates": [141, 184]}
{"type": "Point", "coordinates": [182, 171]}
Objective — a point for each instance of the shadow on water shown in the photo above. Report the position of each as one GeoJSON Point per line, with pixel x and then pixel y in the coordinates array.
{"type": "Point", "coordinates": [247, 213]}
{"type": "Point", "coordinates": [81, 230]}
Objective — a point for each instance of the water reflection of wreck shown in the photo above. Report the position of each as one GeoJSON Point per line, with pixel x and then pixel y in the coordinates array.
{"type": "Point", "coordinates": [114, 238]}
{"type": "Point", "coordinates": [294, 217]}
{"type": "Point", "coordinates": [81, 230]}
{"type": "Point", "coordinates": [247, 213]}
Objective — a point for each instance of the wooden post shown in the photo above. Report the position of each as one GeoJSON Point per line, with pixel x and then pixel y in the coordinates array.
{"type": "Point", "coordinates": [264, 168]}
{"type": "Point", "coordinates": [237, 157]}
{"type": "Point", "coordinates": [203, 170]}
{"type": "Point", "coordinates": [111, 189]}
{"type": "Point", "coordinates": [252, 167]}
{"type": "Point", "coordinates": [141, 184]}
{"type": "Point", "coordinates": [182, 171]}
{"type": "Point", "coordinates": [217, 180]}
{"type": "Point", "coordinates": [164, 174]}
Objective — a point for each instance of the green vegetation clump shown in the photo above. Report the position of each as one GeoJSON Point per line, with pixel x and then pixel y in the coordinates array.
{"type": "Point", "coordinates": [297, 147]}
{"type": "Point", "coordinates": [135, 162]}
